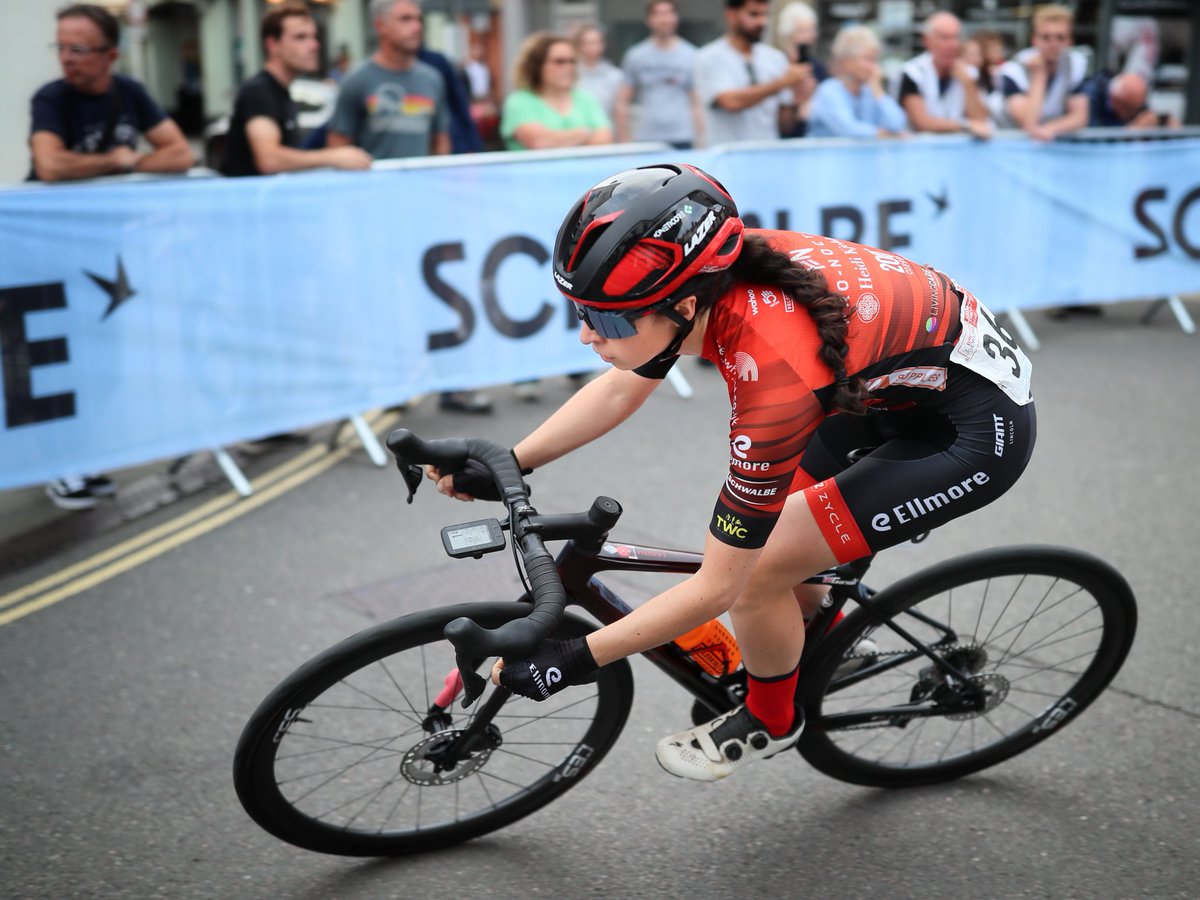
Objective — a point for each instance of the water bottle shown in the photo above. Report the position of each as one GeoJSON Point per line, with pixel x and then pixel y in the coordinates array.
{"type": "Point", "coordinates": [713, 648]}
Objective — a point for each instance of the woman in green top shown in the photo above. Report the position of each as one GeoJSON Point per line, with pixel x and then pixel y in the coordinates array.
{"type": "Point", "coordinates": [547, 109]}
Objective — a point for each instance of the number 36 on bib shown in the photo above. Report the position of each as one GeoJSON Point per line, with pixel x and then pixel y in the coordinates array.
{"type": "Point", "coordinates": [988, 349]}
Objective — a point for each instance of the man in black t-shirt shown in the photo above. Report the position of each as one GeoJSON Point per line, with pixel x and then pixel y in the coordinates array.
{"type": "Point", "coordinates": [87, 123]}
{"type": "Point", "coordinates": [263, 133]}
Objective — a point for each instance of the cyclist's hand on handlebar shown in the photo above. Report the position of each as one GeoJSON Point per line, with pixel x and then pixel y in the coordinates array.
{"type": "Point", "coordinates": [472, 482]}
{"type": "Point", "coordinates": [553, 666]}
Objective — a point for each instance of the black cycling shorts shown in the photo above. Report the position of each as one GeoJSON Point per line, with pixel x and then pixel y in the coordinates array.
{"type": "Point", "coordinates": [931, 463]}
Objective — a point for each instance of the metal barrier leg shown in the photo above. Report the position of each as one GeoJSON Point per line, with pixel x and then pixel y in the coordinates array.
{"type": "Point", "coordinates": [232, 472]}
{"type": "Point", "coordinates": [679, 382]}
{"type": "Point", "coordinates": [369, 441]}
{"type": "Point", "coordinates": [1020, 323]}
{"type": "Point", "coordinates": [1175, 304]}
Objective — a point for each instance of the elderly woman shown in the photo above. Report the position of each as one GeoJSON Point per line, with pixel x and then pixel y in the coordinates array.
{"type": "Point", "coordinates": [797, 37]}
{"type": "Point", "coordinates": [548, 109]}
{"type": "Point", "coordinates": [854, 103]}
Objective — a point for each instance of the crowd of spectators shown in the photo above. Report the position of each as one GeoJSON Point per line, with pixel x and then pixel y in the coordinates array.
{"type": "Point", "coordinates": [407, 100]}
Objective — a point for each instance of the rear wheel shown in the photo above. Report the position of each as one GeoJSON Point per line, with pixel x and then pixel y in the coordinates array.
{"type": "Point", "coordinates": [345, 757]}
{"type": "Point", "coordinates": [1035, 632]}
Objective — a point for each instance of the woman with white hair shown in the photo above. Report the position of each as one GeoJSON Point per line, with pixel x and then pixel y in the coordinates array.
{"type": "Point", "coordinates": [854, 104]}
{"type": "Point", "coordinates": [797, 37]}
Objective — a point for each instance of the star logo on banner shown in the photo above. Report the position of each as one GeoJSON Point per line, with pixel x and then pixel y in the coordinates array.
{"type": "Point", "coordinates": [941, 202]}
{"type": "Point", "coordinates": [118, 291]}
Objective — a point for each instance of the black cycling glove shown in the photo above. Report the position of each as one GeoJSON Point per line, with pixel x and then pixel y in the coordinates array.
{"type": "Point", "coordinates": [553, 666]}
{"type": "Point", "coordinates": [475, 479]}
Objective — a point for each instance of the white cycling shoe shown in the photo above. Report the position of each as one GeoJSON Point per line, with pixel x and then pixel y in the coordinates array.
{"type": "Point", "coordinates": [719, 748]}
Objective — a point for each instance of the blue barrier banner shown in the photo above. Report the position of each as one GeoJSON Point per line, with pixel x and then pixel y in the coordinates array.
{"type": "Point", "coordinates": [147, 320]}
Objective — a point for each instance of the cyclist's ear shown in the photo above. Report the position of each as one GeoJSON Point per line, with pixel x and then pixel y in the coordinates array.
{"type": "Point", "coordinates": [686, 307]}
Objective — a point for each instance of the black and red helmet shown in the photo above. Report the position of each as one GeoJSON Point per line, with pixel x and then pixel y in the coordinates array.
{"type": "Point", "coordinates": [635, 238]}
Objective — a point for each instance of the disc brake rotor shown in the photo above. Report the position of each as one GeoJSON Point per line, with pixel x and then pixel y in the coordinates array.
{"type": "Point", "coordinates": [421, 765]}
{"type": "Point", "coordinates": [994, 688]}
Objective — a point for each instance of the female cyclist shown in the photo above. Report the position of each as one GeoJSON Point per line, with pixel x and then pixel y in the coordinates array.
{"type": "Point", "coordinates": [827, 347]}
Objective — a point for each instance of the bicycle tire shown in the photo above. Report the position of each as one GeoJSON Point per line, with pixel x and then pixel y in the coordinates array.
{"type": "Point", "coordinates": [333, 759]}
{"type": "Point", "coordinates": [1043, 629]}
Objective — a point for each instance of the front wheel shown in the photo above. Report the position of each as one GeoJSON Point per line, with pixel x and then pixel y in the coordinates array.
{"type": "Point", "coordinates": [345, 755]}
{"type": "Point", "coordinates": [1036, 633]}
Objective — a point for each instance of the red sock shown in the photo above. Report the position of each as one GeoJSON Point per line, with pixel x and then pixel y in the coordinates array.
{"type": "Point", "coordinates": [772, 700]}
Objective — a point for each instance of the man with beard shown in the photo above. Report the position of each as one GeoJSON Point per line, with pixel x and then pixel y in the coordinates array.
{"type": "Point", "coordinates": [745, 85]}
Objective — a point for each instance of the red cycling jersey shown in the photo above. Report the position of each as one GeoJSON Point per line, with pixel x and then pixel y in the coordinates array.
{"type": "Point", "coordinates": [903, 320]}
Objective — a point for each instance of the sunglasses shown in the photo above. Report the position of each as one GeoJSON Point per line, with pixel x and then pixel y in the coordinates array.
{"type": "Point", "coordinates": [609, 324]}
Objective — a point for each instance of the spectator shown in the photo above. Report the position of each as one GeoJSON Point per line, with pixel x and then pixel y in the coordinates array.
{"type": "Point", "coordinates": [1043, 85]}
{"type": "Point", "coordinates": [482, 92]}
{"type": "Point", "coordinates": [264, 135]}
{"type": "Point", "coordinates": [87, 123]}
{"type": "Point", "coordinates": [340, 66]}
{"type": "Point", "coordinates": [658, 79]}
{"type": "Point", "coordinates": [985, 51]}
{"type": "Point", "coordinates": [938, 90]}
{"type": "Point", "coordinates": [745, 85]}
{"type": "Point", "coordinates": [854, 104]}
{"type": "Point", "coordinates": [798, 37]}
{"type": "Point", "coordinates": [464, 136]}
{"type": "Point", "coordinates": [396, 106]}
{"type": "Point", "coordinates": [548, 109]}
{"type": "Point", "coordinates": [1119, 101]}
{"type": "Point", "coordinates": [594, 73]}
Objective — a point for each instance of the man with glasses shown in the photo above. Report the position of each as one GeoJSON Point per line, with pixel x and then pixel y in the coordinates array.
{"type": "Point", "coordinates": [1044, 85]}
{"type": "Point", "coordinates": [88, 122]}
{"type": "Point", "coordinates": [744, 85]}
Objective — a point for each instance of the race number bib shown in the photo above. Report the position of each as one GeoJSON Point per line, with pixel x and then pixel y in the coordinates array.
{"type": "Point", "coordinates": [986, 348]}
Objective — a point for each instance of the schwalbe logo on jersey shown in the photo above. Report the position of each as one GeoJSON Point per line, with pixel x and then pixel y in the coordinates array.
{"type": "Point", "coordinates": [563, 282]}
{"type": "Point", "coordinates": [674, 220]}
{"type": "Point", "coordinates": [700, 233]}
{"type": "Point", "coordinates": [867, 308]}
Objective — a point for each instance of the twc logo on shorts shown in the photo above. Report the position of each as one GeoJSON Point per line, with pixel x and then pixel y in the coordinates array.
{"type": "Point", "coordinates": [747, 367]}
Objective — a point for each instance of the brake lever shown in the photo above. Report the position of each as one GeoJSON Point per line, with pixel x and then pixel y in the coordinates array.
{"type": "Point", "coordinates": [413, 476]}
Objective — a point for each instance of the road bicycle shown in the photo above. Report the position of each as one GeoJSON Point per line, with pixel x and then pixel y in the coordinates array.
{"type": "Point", "coordinates": [363, 750]}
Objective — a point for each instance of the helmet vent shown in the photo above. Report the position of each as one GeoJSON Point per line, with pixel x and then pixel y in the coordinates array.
{"type": "Point", "coordinates": [641, 267]}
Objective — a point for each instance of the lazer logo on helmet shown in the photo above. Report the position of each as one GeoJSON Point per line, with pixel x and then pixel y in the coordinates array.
{"type": "Point", "coordinates": [563, 282]}
{"type": "Point", "coordinates": [674, 220]}
{"type": "Point", "coordinates": [700, 233]}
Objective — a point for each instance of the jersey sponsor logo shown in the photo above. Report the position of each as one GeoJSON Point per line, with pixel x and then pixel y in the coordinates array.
{"type": "Point", "coordinates": [915, 507]}
{"type": "Point", "coordinates": [997, 423]}
{"type": "Point", "coordinates": [931, 377]}
{"type": "Point", "coordinates": [674, 220]}
{"type": "Point", "coordinates": [752, 299]}
{"type": "Point", "coordinates": [890, 262]}
{"type": "Point", "coordinates": [803, 257]}
{"type": "Point", "coordinates": [770, 298]}
{"type": "Point", "coordinates": [749, 493]}
{"type": "Point", "coordinates": [563, 282]}
{"type": "Point", "coordinates": [741, 446]}
{"type": "Point", "coordinates": [746, 365]}
{"type": "Point", "coordinates": [825, 500]}
{"type": "Point", "coordinates": [700, 233]}
{"type": "Point", "coordinates": [732, 526]}
{"type": "Point", "coordinates": [867, 308]}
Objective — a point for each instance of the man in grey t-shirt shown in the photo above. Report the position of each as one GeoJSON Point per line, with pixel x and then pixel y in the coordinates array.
{"type": "Point", "coordinates": [393, 105]}
{"type": "Point", "coordinates": [745, 85]}
{"type": "Point", "coordinates": [658, 78]}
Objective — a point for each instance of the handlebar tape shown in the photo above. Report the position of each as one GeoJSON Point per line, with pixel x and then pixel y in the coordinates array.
{"type": "Point", "coordinates": [520, 637]}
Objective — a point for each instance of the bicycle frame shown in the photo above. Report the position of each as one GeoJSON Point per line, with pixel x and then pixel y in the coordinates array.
{"type": "Point", "coordinates": [578, 567]}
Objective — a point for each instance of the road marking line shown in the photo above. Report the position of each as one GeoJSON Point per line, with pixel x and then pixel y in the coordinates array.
{"type": "Point", "coordinates": [132, 553]}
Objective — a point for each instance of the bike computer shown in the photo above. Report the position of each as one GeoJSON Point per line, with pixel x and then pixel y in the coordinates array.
{"type": "Point", "coordinates": [473, 538]}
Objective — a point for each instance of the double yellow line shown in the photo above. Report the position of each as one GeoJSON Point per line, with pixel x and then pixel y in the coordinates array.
{"type": "Point", "coordinates": [156, 541]}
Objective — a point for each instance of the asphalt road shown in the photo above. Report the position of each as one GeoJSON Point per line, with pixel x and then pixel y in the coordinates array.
{"type": "Point", "coordinates": [121, 704]}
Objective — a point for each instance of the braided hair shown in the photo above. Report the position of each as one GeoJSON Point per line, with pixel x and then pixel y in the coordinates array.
{"type": "Point", "coordinates": [760, 263]}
